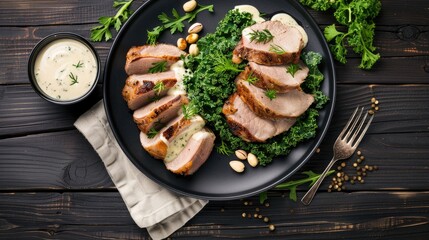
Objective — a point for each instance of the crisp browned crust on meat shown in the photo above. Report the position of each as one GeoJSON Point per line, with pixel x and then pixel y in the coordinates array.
{"type": "Point", "coordinates": [140, 59]}
{"type": "Point", "coordinates": [158, 113]}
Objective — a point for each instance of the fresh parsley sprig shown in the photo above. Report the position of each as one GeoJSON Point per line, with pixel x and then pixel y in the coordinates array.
{"type": "Point", "coordinates": [152, 132]}
{"type": "Point", "coordinates": [174, 23]}
{"type": "Point", "coordinates": [251, 78]}
{"type": "Point", "coordinates": [224, 64]}
{"type": "Point", "coordinates": [358, 18]}
{"type": "Point", "coordinates": [263, 36]}
{"type": "Point", "coordinates": [103, 30]}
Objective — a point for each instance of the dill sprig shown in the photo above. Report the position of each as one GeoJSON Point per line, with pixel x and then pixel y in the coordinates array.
{"type": "Point", "coordinates": [78, 64]}
{"type": "Point", "coordinates": [292, 69]}
{"type": "Point", "coordinates": [158, 67]}
{"type": "Point", "coordinates": [277, 49]}
{"type": "Point", "coordinates": [251, 78]}
{"type": "Point", "coordinates": [159, 87]}
{"type": "Point", "coordinates": [263, 36]}
{"type": "Point", "coordinates": [73, 78]}
{"type": "Point", "coordinates": [189, 110]}
{"type": "Point", "coordinates": [271, 94]}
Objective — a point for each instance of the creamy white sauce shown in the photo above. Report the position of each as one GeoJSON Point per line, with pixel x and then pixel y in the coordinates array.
{"type": "Point", "coordinates": [178, 144]}
{"type": "Point", "coordinates": [65, 69]}
{"type": "Point", "coordinates": [284, 18]}
{"type": "Point", "coordinates": [179, 87]}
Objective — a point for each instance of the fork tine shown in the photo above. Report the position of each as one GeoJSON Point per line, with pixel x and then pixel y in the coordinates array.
{"type": "Point", "coordinates": [356, 131]}
{"type": "Point", "coordinates": [348, 124]}
{"type": "Point", "coordinates": [352, 128]}
{"type": "Point", "coordinates": [363, 132]}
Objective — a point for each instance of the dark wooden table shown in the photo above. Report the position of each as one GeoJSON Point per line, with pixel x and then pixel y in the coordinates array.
{"type": "Point", "coordinates": [53, 184]}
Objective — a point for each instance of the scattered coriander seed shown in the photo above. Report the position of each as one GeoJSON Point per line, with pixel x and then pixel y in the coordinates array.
{"type": "Point", "coordinates": [255, 215]}
{"type": "Point", "coordinates": [346, 177]}
{"type": "Point", "coordinates": [376, 108]}
{"type": "Point", "coordinates": [358, 160]}
{"type": "Point", "coordinates": [339, 168]}
{"type": "Point", "coordinates": [370, 168]}
{"type": "Point", "coordinates": [249, 215]}
{"type": "Point", "coordinates": [243, 215]}
{"type": "Point", "coordinates": [371, 112]}
{"type": "Point", "coordinates": [343, 188]}
{"type": "Point", "coordinates": [362, 157]}
{"type": "Point", "coordinates": [266, 219]}
{"type": "Point", "coordinates": [373, 100]}
{"type": "Point", "coordinates": [373, 105]}
{"type": "Point", "coordinates": [376, 102]}
{"type": "Point", "coordinates": [362, 181]}
{"type": "Point", "coordinates": [260, 216]}
{"type": "Point", "coordinates": [318, 150]}
{"type": "Point", "coordinates": [336, 186]}
{"type": "Point", "coordinates": [338, 174]}
{"type": "Point", "coordinates": [267, 204]}
{"type": "Point", "coordinates": [364, 174]}
{"type": "Point", "coordinates": [343, 164]}
{"type": "Point", "coordinates": [246, 203]}
{"type": "Point", "coordinates": [375, 167]}
{"type": "Point", "coordinates": [366, 167]}
{"type": "Point", "coordinates": [358, 168]}
{"type": "Point", "coordinates": [352, 182]}
{"type": "Point", "coordinates": [257, 209]}
{"type": "Point", "coordinates": [272, 227]}
{"type": "Point", "coordinates": [359, 153]}
{"type": "Point", "coordinates": [329, 190]}
{"type": "Point", "coordinates": [355, 165]}
{"type": "Point", "coordinates": [330, 186]}
{"type": "Point", "coordinates": [339, 189]}
{"type": "Point", "coordinates": [359, 178]}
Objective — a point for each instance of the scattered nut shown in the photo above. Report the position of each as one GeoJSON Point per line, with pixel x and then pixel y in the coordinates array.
{"type": "Point", "coordinates": [189, 6]}
{"type": "Point", "coordinates": [237, 166]}
{"type": "Point", "coordinates": [252, 160]}
{"type": "Point", "coordinates": [192, 38]}
{"type": "Point", "coordinates": [181, 44]}
{"type": "Point", "coordinates": [193, 49]}
{"type": "Point", "coordinates": [241, 154]}
{"type": "Point", "coordinates": [195, 28]}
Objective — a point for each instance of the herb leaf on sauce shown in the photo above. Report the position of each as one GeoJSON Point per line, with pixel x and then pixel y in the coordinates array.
{"type": "Point", "coordinates": [78, 64]}
{"type": "Point", "coordinates": [73, 78]}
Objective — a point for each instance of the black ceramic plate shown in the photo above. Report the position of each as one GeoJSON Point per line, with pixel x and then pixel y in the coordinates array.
{"type": "Point", "coordinates": [215, 180]}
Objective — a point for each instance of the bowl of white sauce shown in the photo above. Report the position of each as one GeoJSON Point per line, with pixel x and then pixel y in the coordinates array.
{"type": "Point", "coordinates": [64, 68]}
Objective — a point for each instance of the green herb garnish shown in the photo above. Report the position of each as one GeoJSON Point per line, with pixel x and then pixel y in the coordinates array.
{"type": "Point", "coordinates": [158, 67]}
{"type": "Point", "coordinates": [292, 185]}
{"type": "Point", "coordinates": [271, 93]}
{"type": "Point", "coordinates": [223, 64]}
{"type": "Point", "coordinates": [73, 78]}
{"type": "Point", "coordinates": [263, 36]}
{"type": "Point", "coordinates": [174, 23]}
{"type": "Point", "coordinates": [103, 30]}
{"type": "Point", "coordinates": [152, 132]}
{"type": "Point", "coordinates": [292, 69]}
{"type": "Point", "coordinates": [189, 110]}
{"type": "Point", "coordinates": [159, 87]}
{"type": "Point", "coordinates": [358, 17]}
{"type": "Point", "coordinates": [78, 64]}
{"type": "Point", "coordinates": [223, 149]}
{"type": "Point", "coordinates": [277, 49]}
{"type": "Point", "coordinates": [251, 78]}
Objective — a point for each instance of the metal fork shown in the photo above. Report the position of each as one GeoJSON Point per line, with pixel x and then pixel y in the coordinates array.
{"type": "Point", "coordinates": [344, 147]}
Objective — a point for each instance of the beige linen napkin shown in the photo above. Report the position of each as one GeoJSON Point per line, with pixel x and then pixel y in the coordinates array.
{"type": "Point", "coordinates": [152, 207]}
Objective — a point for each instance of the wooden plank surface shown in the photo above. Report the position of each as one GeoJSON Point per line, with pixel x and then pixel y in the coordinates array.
{"type": "Point", "coordinates": [54, 186]}
{"type": "Point", "coordinates": [72, 215]}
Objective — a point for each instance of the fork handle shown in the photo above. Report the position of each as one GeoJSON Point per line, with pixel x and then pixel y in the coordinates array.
{"type": "Point", "coordinates": [308, 197]}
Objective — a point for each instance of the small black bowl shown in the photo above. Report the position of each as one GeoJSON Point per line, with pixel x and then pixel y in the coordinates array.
{"type": "Point", "coordinates": [39, 47]}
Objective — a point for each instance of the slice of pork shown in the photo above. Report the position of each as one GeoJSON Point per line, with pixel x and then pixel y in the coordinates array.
{"type": "Point", "coordinates": [290, 104]}
{"type": "Point", "coordinates": [285, 38]}
{"type": "Point", "coordinates": [277, 77]}
{"type": "Point", "coordinates": [195, 153]}
{"type": "Point", "coordinates": [140, 59]}
{"type": "Point", "coordinates": [244, 123]}
{"type": "Point", "coordinates": [139, 89]}
{"type": "Point", "coordinates": [158, 113]}
{"type": "Point", "coordinates": [179, 128]}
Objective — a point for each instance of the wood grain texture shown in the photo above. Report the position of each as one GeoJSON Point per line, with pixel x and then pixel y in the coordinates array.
{"type": "Point", "coordinates": [94, 215]}
{"type": "Point", "coordinates": [63, 159]}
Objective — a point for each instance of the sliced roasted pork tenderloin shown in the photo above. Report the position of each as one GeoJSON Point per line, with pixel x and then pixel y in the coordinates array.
{"type": "Point", "coordinates": [140, 59]}
{"type": "Point", "coordinates": [194, 154]}
{"type": "Point", "coordinates": [244, 123]}
{"type": "Point", "coordinates": [290, 104]}
{"type": "Point", "coordinates": [140, 89]}
{"type": "Point", "coordinates": [277, 77]}
{"type": "Point", "coordinates": [285, 46]}
{"type": "Point", "coordinates": [158, 113]}
{"type": "Point", "coordinates": [167, 143]}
